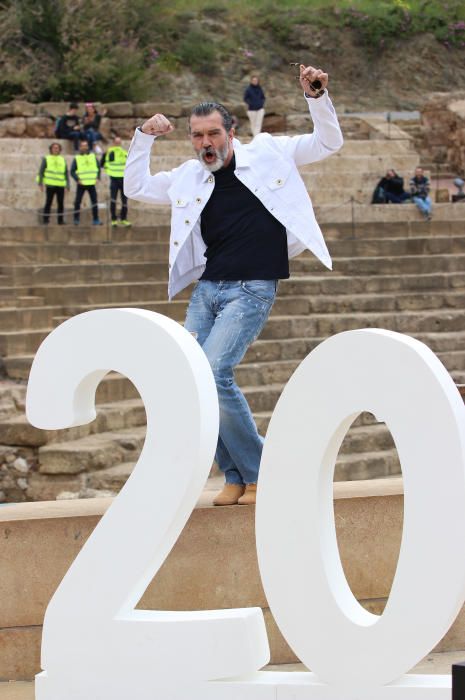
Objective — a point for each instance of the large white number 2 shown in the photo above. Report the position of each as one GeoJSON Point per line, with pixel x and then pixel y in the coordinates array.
{"type": "Point", "coordinates": [95, 644]}
{"type": "Point", "coordinates": [97, 647]}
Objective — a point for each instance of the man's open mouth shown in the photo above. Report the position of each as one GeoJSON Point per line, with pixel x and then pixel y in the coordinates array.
{"type": "Point", "coordinates": [209, 156]}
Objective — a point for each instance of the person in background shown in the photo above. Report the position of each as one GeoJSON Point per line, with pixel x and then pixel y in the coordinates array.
{"type": "Point", "coordinates": [53, 174]}
{"type": "Point", "coordinates": [419, 188]}
{"type": "Point", "coordinates": [86, 171]}
{"type": "Point", "coordinates": [113, 162]}
{"type": "Point", "coordinates": [91, 125]}
{"type": "Point", "coordinates": [254, 97]}
{"type": "Point", "coordinates": [68, 127]}
{"type": "Point", "coordinates": [390, 189]}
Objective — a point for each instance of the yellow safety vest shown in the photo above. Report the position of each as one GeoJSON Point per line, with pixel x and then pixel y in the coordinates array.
{"type": "Point", "coordinates": [87, 168]}
{"type": "Point", "coordinates": [115, 168]}
{"type": "Point", "coordinates": [55, 171]}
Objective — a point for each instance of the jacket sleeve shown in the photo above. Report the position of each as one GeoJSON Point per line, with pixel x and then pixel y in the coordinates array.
{"type": "Point", "coordinates": [139, 184]}
{"type": "Point", "coordinates": [73, 170]}
{"type": "Point", "coordinates": [40, 176]}
{"type": "Point", "coordinates": [326, 137]}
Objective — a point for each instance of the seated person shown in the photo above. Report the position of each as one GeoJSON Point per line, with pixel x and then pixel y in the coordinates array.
{"type": "Point", "coordinates": [91, 125]}
{"type": "Point", "coordinates": [67, 126]}
{"type": "Point", "coordinates": [390, 189]}
{"type": "Point", "coordinates": [419, 188]}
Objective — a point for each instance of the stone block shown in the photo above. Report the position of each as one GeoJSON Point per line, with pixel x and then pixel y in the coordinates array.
{"type": "Point", "coordinates": [17, 690]}
{"type": "Point", "coordinates": [66, 459]}
{"type": "Point", "coordinates": [6, 110]}
{"type": "Point", "coordinates": [106, 128]}
{"type": "Point", "coordinates": [276, 106]}
{"type": "Point", "coordinates": [119, 109]}
{"type": "Point", "coordinates": [40, 127]}
{"type": "Point", "coordinates": [237, 108]}
{"type": "Point", "coordinates": [300, 123]}
{"type": "Point", "coordinates": [442, 195]}
{"type": "Point", "coordinates": [19, 653]}
{"type": "Point", "coordinates": [52, 109]}
{"type": "Point", "coordinates": [274, 124]}
{"type": "Point", "coordinates": [15, 126]}
{"type": "Point", "coordinates": [42, 488]}
{"type": "Point", "coordinates": [21, 108]}
{"type": "Point", "coordinates": [148, 109]}
{"type": "Point", "coordinates": [124, 126]}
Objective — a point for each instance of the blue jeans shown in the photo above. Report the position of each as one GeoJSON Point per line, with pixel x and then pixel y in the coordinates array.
{"type": "Point", "coordinates": [226, 318]}
{"type": "Point", "coordinates": [424, 205]}
{"type": "Point", "coordinates": [91, 137]}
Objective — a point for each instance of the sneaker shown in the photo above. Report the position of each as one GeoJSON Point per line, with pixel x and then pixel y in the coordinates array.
{"type": "Point", "coordinates": [97, 222]}
{"type": "Point", "coordinates": [125, 222]}
{"type": "Point", "coordinates": [114, 222]}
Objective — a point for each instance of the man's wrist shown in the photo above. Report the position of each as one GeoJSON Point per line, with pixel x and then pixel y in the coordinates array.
{"type": "Point", "coordinates": [139, 128]}
{"type": "Point", "coordinates": [316, 94]}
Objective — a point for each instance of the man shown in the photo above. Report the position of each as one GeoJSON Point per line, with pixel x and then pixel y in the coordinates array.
{"type": "Point", "coordinates": [113, 162]}
{"type": "Point", "coordinates": [238, 214]}
{"type": "Point", "coordinates": [254, 97]}
{"type": "Point", "coordinates": [86, 171]}
{"type": "Point", "coordinates": [68, 127]}
{"type": "Point", "coordinates": [419, 188]}
{"type": "Point", "coordinates": [390, 189]}
{"type": "Point", "coordinates": [53, 173]}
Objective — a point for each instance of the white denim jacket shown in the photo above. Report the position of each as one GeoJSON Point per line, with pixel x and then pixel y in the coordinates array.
{"type": "Point", "coordinates": [267, 166]}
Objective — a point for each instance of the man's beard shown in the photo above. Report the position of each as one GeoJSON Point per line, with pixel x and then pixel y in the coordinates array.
{"type": "Point", "coordinates": [221, 155]}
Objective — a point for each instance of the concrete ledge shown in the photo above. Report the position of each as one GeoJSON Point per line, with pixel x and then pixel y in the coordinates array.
{"type": "Point", "coordinates": [213, 564]}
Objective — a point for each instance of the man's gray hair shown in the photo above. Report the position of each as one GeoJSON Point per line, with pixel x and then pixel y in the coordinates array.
{"type": "Point", "coordinates": [205, 108]}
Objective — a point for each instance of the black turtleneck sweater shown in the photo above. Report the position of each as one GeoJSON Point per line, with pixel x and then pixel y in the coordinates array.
{"type": "Point", "coordinates": [244, 241]}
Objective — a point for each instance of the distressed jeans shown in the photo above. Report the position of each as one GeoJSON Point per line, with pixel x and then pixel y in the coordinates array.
{"type": "Point", "coordinates": [226, 318]}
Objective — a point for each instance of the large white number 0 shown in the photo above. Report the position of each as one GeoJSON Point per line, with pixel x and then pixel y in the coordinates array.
{"type": "Point", "coordinates": [95, 645]}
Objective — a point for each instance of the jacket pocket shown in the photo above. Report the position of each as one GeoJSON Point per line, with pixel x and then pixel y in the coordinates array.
{"type": "Point", "coordinates": [277, 178]}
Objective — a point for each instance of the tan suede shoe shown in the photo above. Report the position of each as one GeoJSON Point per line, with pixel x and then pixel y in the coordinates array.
{"type": "Point", "coordinates": [230, 495]}
{"type": "Point", "coordinates": [250, 495]}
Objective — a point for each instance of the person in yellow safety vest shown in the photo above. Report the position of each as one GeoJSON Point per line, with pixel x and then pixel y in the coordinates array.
{"type": "Point", "coordinates": [113, 162]}
{"type": "Point", "coordinates": [85, 169]}
{"type": "Point", "coordinates": [53, 174]}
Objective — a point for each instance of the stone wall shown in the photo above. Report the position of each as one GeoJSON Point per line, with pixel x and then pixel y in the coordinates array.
{"type": "Point", "coordinates": [443, 127]}
{"type": "Point", "coordinates": [24, 119]}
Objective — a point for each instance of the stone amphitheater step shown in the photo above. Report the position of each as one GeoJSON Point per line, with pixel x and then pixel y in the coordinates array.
{"type": "Point", "coordinates": [23, 342]}
{"type": "Point", "coordinates": [135, 251]}
{"type": "Point", "coordinates": [449, 346]}
{"type": "Point", "coordinates": [284, 305]}
{"type": "Point", "coordinates": [31, 317]}
{"type": "Point", "coordinates": [26, 147]}
{"type": "Point", "coordinates": [156, 232]}
{"type": "Point", "coordinates": [121, 415]}
{"type": "Point", "coordinates": [325, 325]}
{"type": "Point", "coordinates": [96, 294]}
{"type": "Point", "coordinates": [105, 460]}
{"type": "Point", "coordinates": [104, 272]}
{"type": "Point", "coordinates": [147, 215]}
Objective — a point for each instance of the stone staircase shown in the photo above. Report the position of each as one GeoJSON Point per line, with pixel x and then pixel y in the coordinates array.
{"type": "Point", "coordinates": [391, 270]}
{"type": "Point", "coordinates": [413, 284]}
{"type": "Point", "coordinates": [353, 172]}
